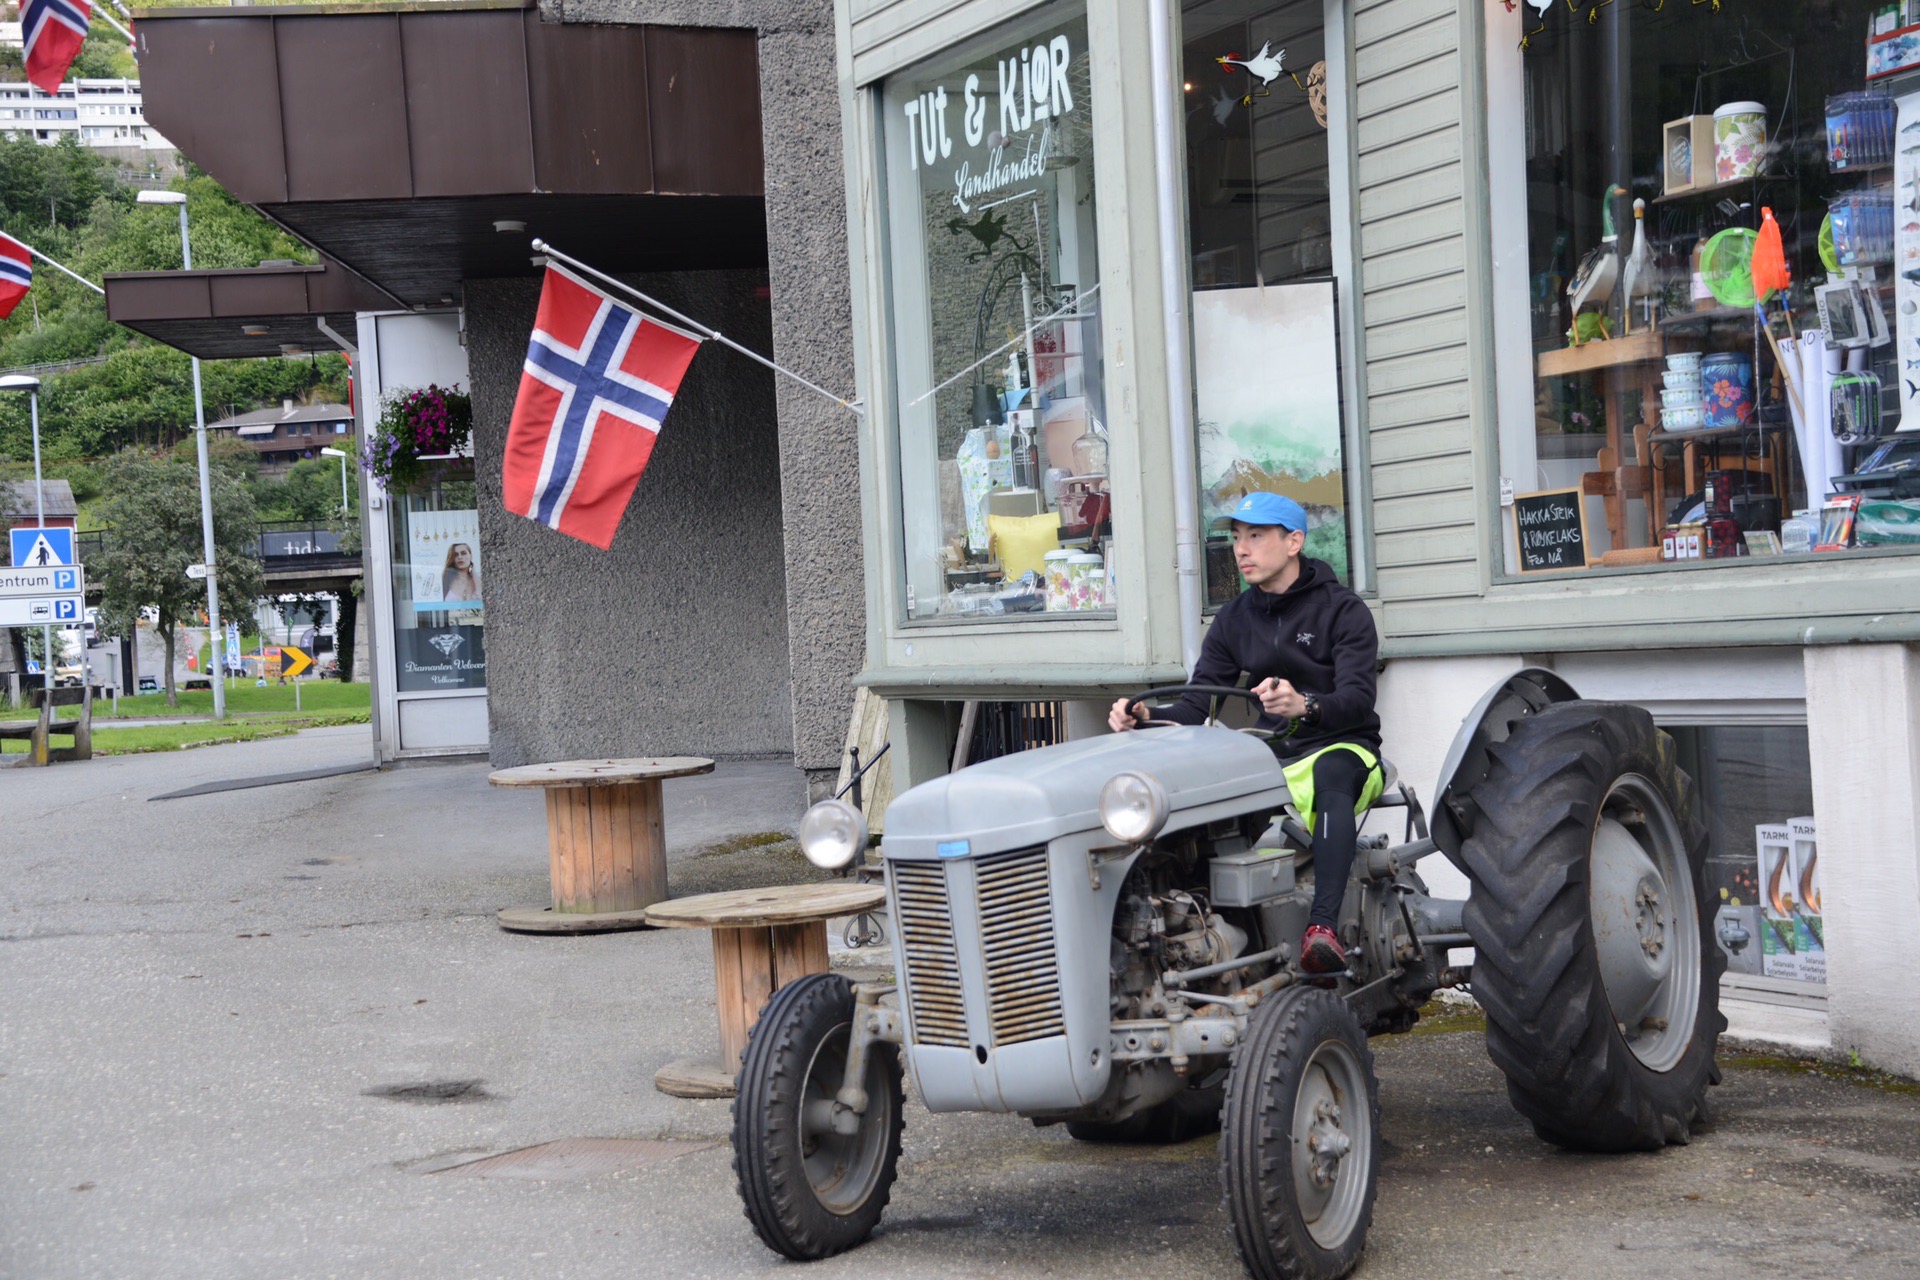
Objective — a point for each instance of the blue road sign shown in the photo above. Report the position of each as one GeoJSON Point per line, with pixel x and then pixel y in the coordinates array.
{"type": "Point", "coordinates": [66, 610]}
{"type": "Point", "coordinates": [66, 579]}
{"type": "Point", "coordinates": [37, 548]}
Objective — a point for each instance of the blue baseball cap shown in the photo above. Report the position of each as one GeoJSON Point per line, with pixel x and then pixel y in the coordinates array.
{"type": "Point", "coordinates": [1269, 508]}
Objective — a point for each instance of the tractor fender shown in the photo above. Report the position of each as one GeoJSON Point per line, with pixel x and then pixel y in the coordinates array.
{"type": "Point", "coordinates": [1491, 721]}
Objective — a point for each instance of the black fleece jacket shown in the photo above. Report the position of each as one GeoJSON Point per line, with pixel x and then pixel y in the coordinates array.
{"type": "Point", "coordinates": [1317, 635]}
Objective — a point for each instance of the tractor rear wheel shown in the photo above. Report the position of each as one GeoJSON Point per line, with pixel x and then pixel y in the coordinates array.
{"type": "Point", "coordinates": [1592, 928]}
{"type": "Point", "coordinates": [1300, 1138]}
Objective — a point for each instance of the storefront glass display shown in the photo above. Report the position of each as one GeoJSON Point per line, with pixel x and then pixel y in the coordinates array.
{"type": "Point", "coordinates": [1712, 339]}
{"type": "Point", "coordinates": [1753, 784]}
{"type": "Point", "coordinates": [1260, 229]}
{"type": "Point", "coordinates": [995, 302]}
{"type": "Point", "coordinates": [438, 619]}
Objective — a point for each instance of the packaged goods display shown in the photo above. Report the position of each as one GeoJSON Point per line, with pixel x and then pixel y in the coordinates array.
{"type": "Point", "coordinates": [1725, 290]}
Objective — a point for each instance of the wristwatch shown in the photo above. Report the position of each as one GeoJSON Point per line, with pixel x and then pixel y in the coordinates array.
{"type": "Point", "coordinates": [1312, 713]}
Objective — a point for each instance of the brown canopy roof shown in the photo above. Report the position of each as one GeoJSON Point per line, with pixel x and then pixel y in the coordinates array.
{"type": "Point", "coordinates": [394, 138]}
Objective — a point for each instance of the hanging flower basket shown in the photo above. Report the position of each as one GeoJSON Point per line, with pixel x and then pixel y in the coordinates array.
{"type": "Point", "coordinates": [432, 422]}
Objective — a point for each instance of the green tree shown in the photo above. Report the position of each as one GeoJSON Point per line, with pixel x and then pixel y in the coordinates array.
{"type": "Point", "coordinates": [309, 491]}
{"type": "Point", "coordinates": [154, 511]}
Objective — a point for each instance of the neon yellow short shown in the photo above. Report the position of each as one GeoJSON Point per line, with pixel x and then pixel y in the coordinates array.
{"type": "Point", "coordinates": [1299, 775]}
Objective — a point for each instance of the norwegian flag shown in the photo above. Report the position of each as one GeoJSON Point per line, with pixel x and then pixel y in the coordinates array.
{"type": "Point", "coordinates": [598, 382]}
{"type": "Point", "coordinates": [16, 273]}
{"type": "Point", "coordinates": [52, 32]}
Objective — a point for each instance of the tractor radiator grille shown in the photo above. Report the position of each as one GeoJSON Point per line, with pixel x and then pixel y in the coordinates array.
{"type": "Point", "coordinates": [922, 914]}
{"type": "Point", "coordinates": [1016, 929]}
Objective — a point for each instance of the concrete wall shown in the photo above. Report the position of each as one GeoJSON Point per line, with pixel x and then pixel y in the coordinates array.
{"type": "Point", "coordinates": [674, 642]}
{"type": "Point", "coordinates": [806, 246]}
{"type": "Point", "coordinates": [1863, 733]}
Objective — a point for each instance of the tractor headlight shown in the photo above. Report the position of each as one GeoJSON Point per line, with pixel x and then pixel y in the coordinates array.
{"type": "Point", "coordinates": [1133, 807]}
{"type": "Point", "coordinates": [832, 834]}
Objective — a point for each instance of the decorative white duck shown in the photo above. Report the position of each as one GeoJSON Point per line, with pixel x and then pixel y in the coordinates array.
{"type": "Point", "coordinates": [1599, 271]}
{"type": "Point", "coordinates": [1637, 274]}
{"type": "Point", "coordinates": [1264, 66]}
{"type": "Point", "coordinates": [1541, 7]}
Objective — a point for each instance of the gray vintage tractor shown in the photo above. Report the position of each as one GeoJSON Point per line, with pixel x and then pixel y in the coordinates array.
{"type": "Point", "coordinates": [1104, 934]}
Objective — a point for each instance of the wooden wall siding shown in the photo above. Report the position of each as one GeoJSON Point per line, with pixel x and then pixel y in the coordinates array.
{"type": "Point", "coordinates": [1413, 262]}
{"type": "Point", "coordinates": [887, 35]}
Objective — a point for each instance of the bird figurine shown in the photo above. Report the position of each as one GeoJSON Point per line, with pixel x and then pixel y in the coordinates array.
{"type": "Point", "coordinates": [1264, 66]}
{"type": "Point", "coordinates": [1541, 7]}
{"type": "Point", "coordinates": [1637, 273]}
{"type": "Point", "coordinates": [1599, 271]}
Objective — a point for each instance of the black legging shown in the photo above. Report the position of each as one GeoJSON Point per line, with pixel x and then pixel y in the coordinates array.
{"type": "Point", "coordinates": [1339, 777]}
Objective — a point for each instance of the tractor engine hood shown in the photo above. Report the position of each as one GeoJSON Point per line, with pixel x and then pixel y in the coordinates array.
{"type": "Point", "coordinates": [1032, 797]}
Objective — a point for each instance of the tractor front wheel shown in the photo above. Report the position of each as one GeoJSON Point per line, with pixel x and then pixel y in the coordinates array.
{"type": "Point", "coordinates": [810, 1189]}
{"type": "Point", "coordinates": [1593, 930]}
{"type": "Point", "coordinates": [1300, 1138]}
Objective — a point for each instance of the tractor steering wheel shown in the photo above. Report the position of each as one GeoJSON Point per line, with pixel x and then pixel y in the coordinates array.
{"type": "Point", "coordinates": [1212, 690]}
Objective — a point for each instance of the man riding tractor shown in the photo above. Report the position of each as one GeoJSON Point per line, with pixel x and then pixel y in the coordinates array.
{"type": "Point", "coordinates": [1310, 646]}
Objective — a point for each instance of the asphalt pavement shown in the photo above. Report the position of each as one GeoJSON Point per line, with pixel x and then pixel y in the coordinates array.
{"type": "Point", "coordinates": [269, 1031]}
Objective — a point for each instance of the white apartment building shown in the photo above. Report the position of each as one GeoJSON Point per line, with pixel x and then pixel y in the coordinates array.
{"type": "Point", "coordinates": [103, 114]}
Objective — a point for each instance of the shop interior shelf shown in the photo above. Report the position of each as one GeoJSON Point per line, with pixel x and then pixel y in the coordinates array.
{"type": "Point", "coordinates": [1735, 184]}
{"type": "Point", "coordinates": [1604, 353]}
{"type": "Point", "coordinates": [1710, 316]}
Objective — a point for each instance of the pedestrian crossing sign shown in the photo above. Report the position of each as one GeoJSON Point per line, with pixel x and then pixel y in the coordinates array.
{"type": "Point", "coordinates": [39, 548]}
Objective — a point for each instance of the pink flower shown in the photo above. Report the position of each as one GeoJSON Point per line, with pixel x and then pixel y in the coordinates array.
{"type": "Point", "coordinates": [1725, 391]}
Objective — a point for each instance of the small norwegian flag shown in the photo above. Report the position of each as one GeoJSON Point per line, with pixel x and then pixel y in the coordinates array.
{"type": "Point", "coordinates": [596, 386]}
{"type": "Point", "coordinates": [16, 274]}
{"type": "Point", "coordinates": [52, 32]}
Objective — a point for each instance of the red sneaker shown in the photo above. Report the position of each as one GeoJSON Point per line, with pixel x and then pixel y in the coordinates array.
{"type": "Point", "coordinates": [1320, 951]}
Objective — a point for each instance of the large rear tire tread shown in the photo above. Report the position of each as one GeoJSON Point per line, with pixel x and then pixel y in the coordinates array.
{"type": "Point", "coordinates": [1256, 1136]}
{"type": "Point", "coordinates": [1536, 971]}
{"type": "Point", "coordinates": [775, 1192]}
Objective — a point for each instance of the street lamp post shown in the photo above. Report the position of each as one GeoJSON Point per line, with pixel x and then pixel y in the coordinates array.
{"type": "Point", "coordinates": [328, 451]}
{"type": "Point", "coordinates": [215, 633]}
{"type": "Point", "coordinates": [31, 385]}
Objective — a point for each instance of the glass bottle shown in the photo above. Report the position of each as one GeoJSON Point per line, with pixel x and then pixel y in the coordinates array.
{"type": "Point", "coordinates": [1090, 452]}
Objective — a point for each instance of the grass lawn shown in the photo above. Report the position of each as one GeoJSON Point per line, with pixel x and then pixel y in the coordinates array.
{"type": "Point", "coordinates": [246, 699]}
{"type": "Point", "coordinates": [174, 737]}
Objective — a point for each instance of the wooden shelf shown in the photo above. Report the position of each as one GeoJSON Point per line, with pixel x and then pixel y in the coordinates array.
{"type": "Point", "coordinates": [1712, 315]}
{"type": "Point", "coordinates": [1711, 188]}
{"type": "Point", "coordinates": [1604, 353]}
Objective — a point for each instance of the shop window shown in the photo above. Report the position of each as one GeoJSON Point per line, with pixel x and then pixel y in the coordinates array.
{"type": "Point", "coordinates": [438, 623]}
{"type": "Point", "coordinates": [994, 286]}
{"type": "Point", "coordinates": [1754, 787]}
{"type": "Point", "coordinates": [1665, 169]}
{"type": "Point", "coordinates": [1266, 338]}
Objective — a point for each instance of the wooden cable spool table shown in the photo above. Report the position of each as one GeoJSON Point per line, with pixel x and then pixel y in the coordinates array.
{"type": "Point", "coordinates": [606, 841]}
{"type": "Point", "coordinates": [762, 940]}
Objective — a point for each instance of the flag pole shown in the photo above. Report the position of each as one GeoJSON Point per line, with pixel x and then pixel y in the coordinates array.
{"type": "Point", "coordinates": [541, 246]}
{"type": "Point", "coordinates": [57, 266]}
{"type": "Point", "coordinates": [107, 18]}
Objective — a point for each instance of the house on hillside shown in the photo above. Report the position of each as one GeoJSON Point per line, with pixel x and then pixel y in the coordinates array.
{"type": "Point", "coordinates": [20, 511]}
{"type": "Point", "coordinates": [286, 435]}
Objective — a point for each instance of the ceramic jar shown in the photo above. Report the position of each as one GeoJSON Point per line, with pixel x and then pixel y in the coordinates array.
{"type": "Point", "coordinates": [1740, 140]}
{"type": "Point", "coordinates": [1726, 388]}
{"type": "Point", "coordinates": [1059, 581]}
{"type": "Point", "coordinates": [1081, 566]}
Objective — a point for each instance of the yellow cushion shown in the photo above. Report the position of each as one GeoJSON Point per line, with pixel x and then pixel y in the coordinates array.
{"type": "Point", "coordinates": [1020, 542]}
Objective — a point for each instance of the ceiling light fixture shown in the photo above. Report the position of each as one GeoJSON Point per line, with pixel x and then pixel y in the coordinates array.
{"type": "Point", "coordinates": [254, 330]}
{"type": "Point", "coordinates": [509, 226]}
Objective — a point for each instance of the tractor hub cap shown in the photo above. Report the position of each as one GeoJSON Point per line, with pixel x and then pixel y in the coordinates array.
{"type": "Point", "coordinates": [1332, 1131]}
{"type": "Point", "coordinates": [1645, 925]}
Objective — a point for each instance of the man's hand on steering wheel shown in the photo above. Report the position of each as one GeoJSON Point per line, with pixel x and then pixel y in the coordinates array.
{"type": "Point", "coordinates": [1126, 714]}
{"type": "Point", "coordinates": [1279, 698]}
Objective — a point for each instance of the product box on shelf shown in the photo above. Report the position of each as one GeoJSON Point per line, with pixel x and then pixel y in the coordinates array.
{"type": "Point", "coordinates": [1686, 150]}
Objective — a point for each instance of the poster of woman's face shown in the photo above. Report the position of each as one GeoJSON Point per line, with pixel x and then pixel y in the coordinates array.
{"type": "Point", "coordinates": [445, 548]}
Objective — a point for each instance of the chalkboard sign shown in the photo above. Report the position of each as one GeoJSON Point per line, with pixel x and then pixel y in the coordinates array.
{"type": "Point", "coordinates": [1552, 528]}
